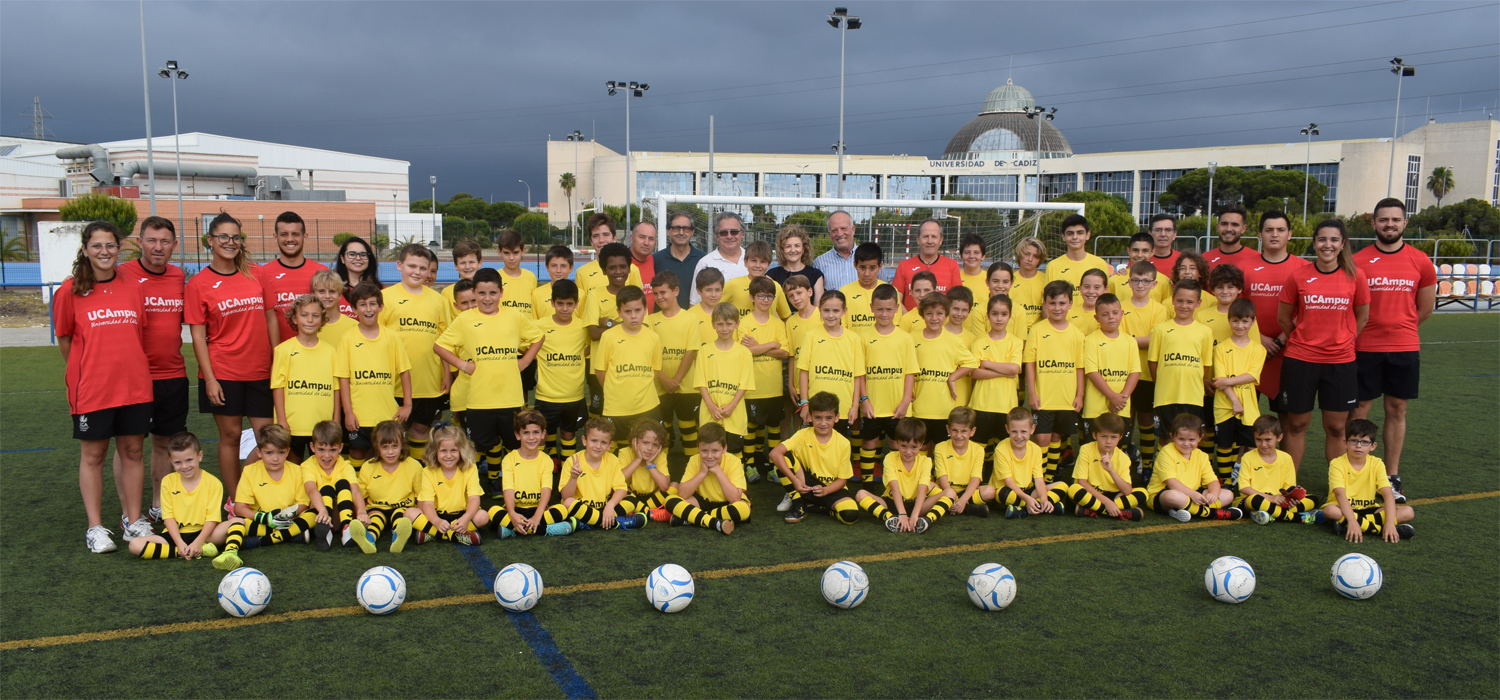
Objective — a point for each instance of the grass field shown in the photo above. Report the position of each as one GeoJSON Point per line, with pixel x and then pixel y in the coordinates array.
{"type": "Point", "coordinates": [1103, 609]}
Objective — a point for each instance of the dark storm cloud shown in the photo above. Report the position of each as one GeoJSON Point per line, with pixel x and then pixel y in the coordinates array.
{"type": "Point", "coordinates": [469, 91]}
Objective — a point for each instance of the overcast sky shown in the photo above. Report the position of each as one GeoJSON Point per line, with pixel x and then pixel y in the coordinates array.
{"type": "Point", "coordinates": [470, 91]}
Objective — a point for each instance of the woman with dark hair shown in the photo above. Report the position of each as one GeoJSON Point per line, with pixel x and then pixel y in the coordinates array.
{"type": "Point", "coordinates": [100, 319]}
{"type": "Point", "coordinates": [1322, 311]}
{"type": "Point", "coordinates": [356, 263]}
{"type": "Point", "coordinates": [794, 250]}
{"type": "Point", "coordinates": [225, 307]}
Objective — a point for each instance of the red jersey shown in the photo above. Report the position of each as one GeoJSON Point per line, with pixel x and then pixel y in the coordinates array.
{"type": "Point", "coordinates": [107, 365]}
{"type": "Point", "coordinates": [1239, 258]}
{"type": "Point", "coordinates": [233, 307]}
{"type": "Point", "coordinates": [161, 295]}
{"type": "Point", "coordinates": [345, 307]}
{"type": "Point", "coordinates": [1394, 279]}
{"type": "Point", "coordinates": [1164, 263]}
{"type": "Point", "coordinates": [647, 268]}
{"type": "Point", "coordinates": [1323, 304]}
{"type": "Point", "coordinates": [283, 285]}
{"type": "Point", "coordinates": [1264, 282]}
{"type": "Point", "coordinates": [949, 275]}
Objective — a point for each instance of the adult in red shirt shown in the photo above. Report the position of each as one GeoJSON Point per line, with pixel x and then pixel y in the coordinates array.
{"type": "Point", "coordinates": [642, 248]}
{"type": "Point", "coordinates": [1164, 235]}
{"type": "Point", "coordinates": [930, 258]}
{"type": "Point", "coordinates": [162, 289]}
{"type": "Point", "coordinates": [356, 263]}
{"type": "Point", "coordinates": [288, 276]}
{"type": "Point", "coordinates": [1322, 311]}
{"type": "Point", "coordinates": [1266, 276]}
{"type": "Point", "coordinates": [1231, 226]}
{"type": "Point", "coordinates": [1403, 289]}
{"type": "Point", "coordinates": [100, 323]}
{"type": "Point", "coordinates": [226, 307]}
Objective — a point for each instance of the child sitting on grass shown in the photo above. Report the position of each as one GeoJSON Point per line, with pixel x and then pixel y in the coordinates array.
{"type": "Point", "coordinates": [332, 485]}
{"type": "Point", "coordinates": [712, 491]}
{"type": "Point", "coordinates": [908, 484]}
{"type": "Point", "coordinates": [1359, 490]}
{"type": "Point", "coordinates": [1019, 464]}
{"type": "Point", "coordinates": [391, 485]}
{"type": "Point", "coordinates": [1268, 480]}
{"type": "Point", "coordinates": [527, 476]}
{"type": "Point", "coordinates": [190, 499]}
{"type": "Point", "coordinates": [270, 504]}
{"type": "Point", "coordinates": [1183, 483]}
{"type": "Point", "coordinates": [1102, 475]}
{"type": "Point", "coordinates": [593, 486]}
{"type": "Point", "coordinates": [448, 503]}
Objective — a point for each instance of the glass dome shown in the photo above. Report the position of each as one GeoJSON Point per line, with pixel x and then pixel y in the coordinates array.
{"type": "Point", "coordinates": [1008, 98]}
{"type": "Point", "coordinates": [998, 140]}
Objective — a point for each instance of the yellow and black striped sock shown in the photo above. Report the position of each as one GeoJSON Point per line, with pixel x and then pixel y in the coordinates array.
{"type": "Point", "coordinates": [339, 499]}
{"type": "Point", "coordinates": [1224, 462]}
{"type": "Point", "coordinates": [425, 526]}
{"type": "Point", "coordinates": [846, 511]}
{"type": "Point", "coordinates": [585, 513]}
{"type": "Point", "coordinates": [551, 448]}
{"type": "Point", "coordinates": [301, 524]}
{"type": "Point", "coordinates": [867, 462]}
{"type": "Point", "coordinates": [752, 444]}
{"type": "Point", "coordinates": [235, 536]}
{"type": "Point", "coordinates": [379, 519]}
{"type": "Point", "coordinates": [1148, 444]}
{"type": "Point", "coordinates": [1135, 499]}
{"type": "Point", "coordinates": [161, 550]}
{"type": "Point", "coordinates": [875, 508]}
{"type": "Point", "coordinates": [1302, 506]}
{"type": "Point", "coordinates": [1200, 511]}
{"type": "Point", "coordinates": [773, 440]}
{"type": "Point", "coordinates": [689, 429]}
{"type": "Point", "coordinates": [1081, 497]}
{"type": "Point", "coordinates": [1008, 496]}
{"type": "Point", "coordinates": [567, 447]}
{"type": "Point", "coordinates": [688, 512]}
{"type": "Point", "coordinates": [418, 448]}
{"type": "Point", "coordinates": [1054, 455]}
{"type": "Point", "coordinates": [1260, 502]}
{"type": "Point", "coordinates": [1059, 498]}
{"type": "Point", "coordinates": [357, 463]}
{"type": "Point", "coordinates": [492, 461]}
{"type": "Point", "coordinates": [1371, 524]}
{"type": "Point", "coordinates": [739, 511]}
{"type": "Point", "coordinates": [938, 509]}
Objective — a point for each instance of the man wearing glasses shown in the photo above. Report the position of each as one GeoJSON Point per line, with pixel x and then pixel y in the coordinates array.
{"type": "Point", "coordinates": [1164, 234]}
{"type": "Point", "coordinates": [642, 245]}
{"type": "Point", "coordinates": [838, 263]}
{"type": "Point", "coordinates": [729, 257]}
{"type": "Point", "coordinates": [680, 257]}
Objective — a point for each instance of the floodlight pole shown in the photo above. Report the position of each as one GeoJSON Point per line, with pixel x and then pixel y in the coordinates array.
{"type": "Point", "coordinates": [1033, 112]}
{"type": "Point", "coordinates": [1208, 215]}
{"type": "Point", "coordinates": [1401, 69]}
{"type": "Point", "coordinates": [1310, 131]}
{"type": "Point", "coordinates": [842, 21]}
{"type": "Point", "coordinates": [146, 88]}
{"type": "Point", "coordinates": [169, 73]}
{"type": "Point", "coordinates": [432, 179]}
{"type": "Point", "coordinates": [637, 90]}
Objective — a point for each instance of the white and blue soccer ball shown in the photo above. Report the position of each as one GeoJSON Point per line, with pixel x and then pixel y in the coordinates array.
{"type": "Point", "coordinates": [1357, 577]}
{"type": "Point", "coordinates": [669, 588]}
{"type": "Point", "coordinates": [381, 590]}
{"type": "Point", "coordinates": [518, 587]}
{"type": "Point", "coordinates": [1229, 580]}
{"type": "Point", "coordinates": [992, 586]}
{"type": "Point", "coordinates": [244, 592]}
{"type": "Point", "coordinates": [845, 584]}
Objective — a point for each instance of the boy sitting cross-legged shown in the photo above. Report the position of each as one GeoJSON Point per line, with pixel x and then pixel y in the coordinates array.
{"type": "Point", "coordinates": [1183, 483]}
{"type": "Point", "coordinates": [1268, 480]}
{"type": "Point", "coordinates": [333, 490]}
{"type": "Point", "coordinates": [527, 476]}
{"type": "Point", "coordinates": [1360, 490]}
{"type": "Point", "coordinates": [1018, 465]}
{"type": "Point", "coordinates": [189, 507]}
{"type": "Point", "coordinates": [593, 487]}
{"type": "Point", "coordinates": [958, 464]}
{"type": "Point", "coordinates": [270, 502]}
{"type": "Point", "coordinates": [712, 491]}
{"type": "Point", "coordinates": [1102, 475]}
{"type": "Point", "coordinates": [814, 464]}
{"type": "Point", "coordinates": [908, 484]}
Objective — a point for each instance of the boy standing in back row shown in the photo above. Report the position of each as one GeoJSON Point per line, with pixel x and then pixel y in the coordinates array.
{"type": "Point", "coordinates": [418, 316]}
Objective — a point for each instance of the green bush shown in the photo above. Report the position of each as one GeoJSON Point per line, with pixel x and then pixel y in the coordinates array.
{"type": "Point", "coordinates": [98, 206]}
{"type": "Point", "coordinates": [1451, 247]}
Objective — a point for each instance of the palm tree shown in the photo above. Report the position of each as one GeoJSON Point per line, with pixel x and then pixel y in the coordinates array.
{"type": "Point", "coordinates": [1440, 183]}
{"type": "Point", "coordinates": [568, 183]}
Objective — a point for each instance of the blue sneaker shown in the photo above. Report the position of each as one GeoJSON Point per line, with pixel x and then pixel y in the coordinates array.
{"type": "Point", "coordinates": [631, 522]}
{"type": "Point", "coordinates": [565, 527]}
{"type": "Point", "coordinates": [1312, 517]}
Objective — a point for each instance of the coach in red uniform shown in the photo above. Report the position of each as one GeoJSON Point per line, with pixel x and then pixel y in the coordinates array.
{"type": "Point", "coordinates": [100, 325]}
{"type": "Point", "coordinates": [1232, 222]}
{"type": "Point", "coordinates": [1266, 276]}
{"type": "Point", "coordinates": [1163, 236]}
{"type": "Point", "coordinates": [1403, 289]}
{"type": "Point", "coordinates": [929, 257]}
{"type": "Point", "coordinates": [288, 276]}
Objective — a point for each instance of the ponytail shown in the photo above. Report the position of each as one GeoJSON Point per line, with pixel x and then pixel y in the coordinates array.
{"type": "Point", "coordinates": [83, 268]}
{"type": "Point", "coordinates": [242, 259]}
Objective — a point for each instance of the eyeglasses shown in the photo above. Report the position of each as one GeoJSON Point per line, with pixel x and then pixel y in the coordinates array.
{"type": "Point", "coordinates": [108, 247]}
{"type": "Point", "coordinates": [765, 296]}
{"type": "Point", "coordinates": [226, 238]}
{"type": "Point", "coordinates": [1360, 442]}
{"type": "Point", "coordinates": [731, 232]}
{"type": "Point", "coordinates": [680, 229]}
{"type": "Point", "coordinates": [1142, 281]}
{"type": "Point", "coordinates": [354, 255]}
{"type": "Point", "coordinates": [1163, 230]}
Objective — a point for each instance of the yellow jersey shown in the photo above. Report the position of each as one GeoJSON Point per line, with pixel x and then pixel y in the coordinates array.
{"type": "Point", "coordinates": [333, 333]}
{"type": "Point", "coordinates": [959, 468]}
{"type": "Point", "coordinates": [341, 470]}
{"type": "Point", "coordinates": [1181, 354]}
{"type": "Point", "coordinates": [831, 364]}
{"type": "Point", "coordinates": [888, 359]}
{"type": "Point", "coordinates": [737, 292]}
{"type": "Point", "coordinates": [912, 321]}
{"type": "Point", "coordinates": [1026, 297]}
{"type": "Point", "coordinates": [998, 395]}
{"type": "Point", "coordinates": [640, 482]}
{"type": "Point", "coordinates": [1194, 471]}
{"type": "Point", "coordinates": [826, 462]}
{"type": "Point", "coordinates": [710, 489]}
{"type": "Point", "coordinates": [449, 494]}
{"type": "Point", "coordinates": [305, 377]}
{"type": "Point", "coordinates": [597, 484]}
{"type": "Point", "coordinates": [1137, 322]}
{"type": "Point", "coordinates": [389, 490]}
{"type": "Point", "coordinates": [1361, 486]}
{"type": "Point", "coordinates": [977, 283]}
{"type": "Point", "coordinates": [706, 331]}
{"type": "Point", "coordinates": [1085, 320]}
{"type": "Point", "coordinates": [910, 478]}
{"type": "Point", "coordinates": [1090, 465]}
{"type": "Point", "coordinates": [526, 478]}
{"type": "Point", "coordinates": [1268, 479]}
{"type": "Point", "coordinates": [560, 365]}
{"type": "Point", "coordinates": [797, 329]}
{"type": "Point", "coordinates": [768, 377]}
{"type": "Point", "coordinates": [1023, 470]}
{"type": "Point", "coordinates": [1115, 359]}
{"type": "Point", "coordinates": [724, 373]}
{"type": "Point", "coordinates": [1058, 355]}
{"type": "Point", "coordinates": [1064, 268]}
{"type": "Point", "coordinates": [458, 393]}
{"type": "Point", "coordinates": [937, 359]}
{"type": "Point", "coordinates": [192, 509]}
{"type": "Point", "coordinates": [541, 302]}
{"type": "Point", "coordinates": [493, 343]}
{"type": "Point", "coordinates": [1231, 360]}
{"type": "Point", "coordinates": [1119, 285]}
{"type": "Point", "coordinates": [518, 291]}
{"type": "Point", "coordinates": [591, 276]}
{"type": "Point", "coordinates": [264, 493]}
{"type": "Point", "coordinates": [600, 308]}
{"type": "Point", "coordinates": [857, 314]}
{"type": "Point", "coordinates": [630, 363]}
{"type": "Point", "coordinates": [373, 368]}
{"type": "Point", "coordinates": [679, 335]}
{"type": "Point", "coordinates": [418, 319]}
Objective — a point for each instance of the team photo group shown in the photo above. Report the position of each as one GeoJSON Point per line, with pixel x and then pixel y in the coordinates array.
{"type": "Point", "coordinates": [355, 411]}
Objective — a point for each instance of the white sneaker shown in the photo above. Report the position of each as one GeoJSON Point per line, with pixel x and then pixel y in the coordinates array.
{"type": "Point", "coordinates": [346, 539]}
{"type": "Point", "coordinates": [786, 504]}
{"type": "Point", "coordinates": [1180, 516]}
{"type": "Point", "coordinates": [140, 528]}
{"type": "Point", "coordinates": [154, 515]}
{"type": "Point", "coordinates": [99, 539]}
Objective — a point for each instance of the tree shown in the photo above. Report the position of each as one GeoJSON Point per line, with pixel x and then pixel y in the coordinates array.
{"type": "Point", "coordinates": [1440, 183]}
{"type": "Point", "coordinates": [533, 228]}
{"type": "Point", "coordinates": [503, 213]}
{"type": "Point", "coordinates": [454, 228]}
{"type": "Point", "coordinates": [467, 208]}
{"type": "Point", "coordinates": [1189, 193]}
{"type": "Point", "coordinates": [568, 183]}
{"type": "Point", "coordinates": [424, 206]}
{"type": "Point", "coordinates": [1475, 216]}
{"type": "Point", "coordinates": [98, 206]}
{"type": "Point", "coordinates": [1110, 222]}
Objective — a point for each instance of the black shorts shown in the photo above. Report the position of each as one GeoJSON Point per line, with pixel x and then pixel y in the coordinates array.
{"type": "Point", "coordinates": [169, 406]}
{"type": "Point", "coordinates": [1335, 386]}
{"type": "Point", "coordinates": [1393, 374]}
{"type": "Point", "coordinates": [937, 430]}
{"type": "Point", "coordinates": [107, 423]}
{"type": "Point", "coordinates": [567, 417]}
{"type": "Point", "coordinates": [1168, 412]}
{"type": "Point", "coordinates": [1059, 422]}
{"type": "Point", "coordinates": [766, 411]}
{"type": "Point", "coordinates": [424, 411]}
{"type": "Point", "coordinates": [877, 428]}
{"type": "Point", "coordinates": [488, 427]}
{"type": "Point", "coordinates": [842, 428]}
{"type": "Point", "coordinates": [302, 447]}
{"type": "Point", "coordinates": [1143, 397]}
{"type": "Point", "coordinates": [595, 394]}
{"type": "Point", "coordinates": [528, 379]}
{"type": "Point", "coordinates": [990, 426]}
{"type": "Point", "coordinates": [624, 424]}
{"type": "Point", "coordinates": [362, 439]}
{"type": "Point", "coordinates": [825, 502]}
{"type": "Point", "coordinates": [251, 398]}
{"type": "Point", "coordinates": [1232, 433]}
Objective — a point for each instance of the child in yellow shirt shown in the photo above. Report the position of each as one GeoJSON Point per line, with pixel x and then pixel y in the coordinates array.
{"type": "Point", "coordinates": [333, 490]}
{"type": "Point", "coordinates": [958, 464]}
{"type": "Point", "coordinates": [1360, 491]}
{"type": "Point", "coordinates": [680, 335]}
{"type": "Point", "coordinates": [1018, 465]}
{"type": "Point", "coordinates": [1101, 477]}
{"type": "Point", "coordinates": [391, 485]}
{"type": "Point", "coordinates": [527, 476]}
{"type": "Point", "coordinates": [448, 500]}
{"type": "Point", "coordinates": [594, 487]}
{"type": "Point", "coordinates": [999, 353]}
{"type": "Point", "coordinates": [908, 484]}
{"type": "Point", "coordinates": [190, 502]}
{"type": "Point", "coordinates": [1054, 373]}
{"type": "Point", "coordinates": [1182, 482]}
{"type": "Point", "coordinates": [763, 333]}
{"type": "Point", "coordinates": [1268, 480]}
{"type": "Point", "coordinates": [1238, 361]}
{"type": "Point", "coordinates": [270, 505]}
{"type": "Point", "coordinates": [712, 491]}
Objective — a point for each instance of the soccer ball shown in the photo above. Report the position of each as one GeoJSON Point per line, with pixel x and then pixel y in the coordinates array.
{"type": "Point", "coordinates": [669, 588]}
{"type": "Point", "coordinates": [518, 587]}
{"type": "Point", "coordinates": [1356, 576]}
{"type": "Point", "coordinates": [1229, 580]}
{"type": "Point", "coordinates": [992, 587]}
{"type": "Point", "coordinates": [845, 584]}
{"type": "Point", "coordinates": [244, 592]}
{"type": "Point", "coordinates": [381, 590]}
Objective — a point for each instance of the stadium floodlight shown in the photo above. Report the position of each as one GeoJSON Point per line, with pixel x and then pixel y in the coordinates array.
{"type": "Point", "coordinates": [1032, 113]}
{"type": "Point", "coordinates": [1402, 70]}
{"type": "Point", "coordinates": [632, 89]}
{"type": "Point", "coordinates": [842, 21]}
{"type": "Point", "coordinates": [1309, 131]}
{"type": "Point", "coordinates": [169, 73]}
{"type": "Point", "coordinates": [1213, 167]}
{"type": "Point", "coordinates": [433, 180]}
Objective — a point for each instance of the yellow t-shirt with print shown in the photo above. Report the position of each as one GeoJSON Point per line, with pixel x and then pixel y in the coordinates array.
{"type": "Point", "coordinates": [724, 373]}
{"type": "Point", "coordinates": [526, 478]}
{"type": "Point", "coordinates": [998, 395]}
{"type": "Point", "coordinates": [1181, 354]}
{"type": "Point", "coordinates": [831, 364]}
{"type": "Point", "coordinates": [560, 364]}
{"type": "Point", "coordinates": [710, 489]}
{"type": "Point", "coordinates": [1024, 470]}
{"type": "Point", "coordinates": [857, 314]}
{"type": "Point", "coordinates": [265, 494]}
{"type": "Point", "coordinates": [342, 470]}
{"type": "Point", "coordinates": [639, 482]}
{"type": "Point", "coordinates": [373, 368]}
{"type": "Point", "coordinates": [1231, 360]}
{"type": "Point", "coordinates": [1268, 479]}
{"type": "Point", "coordinates": [305, 377]}
{"type": "Point", "coordinates": [825, 462]}
{"type": "Point", "coordinates": [1115, 359]}
{"type": "Point", "coordinates": [449, 494]}
{"type": "Point", "coordinates": [679, 335]}
{"type": "Point", "coordinates": [1090, 465]}
{"type": "Point", "coordinates": [1026, 297]}
{"type": "Point", "coordinates": [910, 478]}
{"type": "Point", "coordinates": [418, 319]}
{"type": "Point", "coordinates": [888, 359]}
{"type": "Point", "coordinates": [1361, 486]}
{"type": "Point", "coordinates": [937, 358]}
{"type": "Point", "coordinates": [629, 363]}
{"type": "Point", "coordinates": [386, 490]}
{"type": "Point", "coordinates": [493, 342]}
{"type": "Point", "coordinates": [768, 384]}
{"type": "Point", "coordinates": [1058, 355]}
{"type": "Point", "coordinates": [959, 468]}
{"type": "Point", "coordinates": [192, 509]}
{"type": "Point", "coordinates": [1137, 322]}
{"type": "Point", "coordinates": [1194, 471]}
{"type": "Point", "coordinates": [597, 484]}
{"type": "Point", "coordinates": [517, 292]}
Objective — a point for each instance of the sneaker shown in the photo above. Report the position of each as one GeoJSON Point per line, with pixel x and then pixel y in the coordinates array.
{"type": "Point", "coordinates": [893, 523]}
{"type": "Point", "coordinates": [229, 505]}
{"type": "Point", "coordinates": [467, 537]}
{"type": "Point", "coordinates": [505, 533]}
{"type": "Point", "coordinates": [752, 475]}
{"type": "Point", "coordinates": [1396, 489]}
{"type": "Point", "coordinates": [323, 537]}
{"type": "Point", "coordinates": [978, 510]}
{"type": "Point", "coordinates": [1236, 513]}
{"type": "Point", "coordinates": [631, 522]}
{"type": "Point", "coordinates": [785, 505]}
{"type": "Point", "coordinates": [1338, 527]}
{"type": "Point", "coordinates": [253, 542]}
{"type": "Point", "coordinates": [1406, 531]}
{"type": "Point", "coordinates": [400, 534]}
{"type": "Point", "coordinates": [1261, 517]}
{"type": "Point", "coordinates": [794, 514]}
{"type": "Point", "coordinates": [1081, 512]}
{"type": "Point", "coordinates": [209, 550]}
{"type": "Point", "coordinates": [124, 522]}
{"type": "Point", "coordinates": [421, 537]}
{"type": "Point", "coordinates": [228, 561]}
{"type": "Point", "coordinates": [345, 537]}
{"type": "Point", "coordinates": [661, 515]}
{"type": "Point", "coordinates": [1312, 517]}
{"type": "Point", "coordinates": [1180, 515]}
{"type": "Point", "coordinates": [1012, 512]}
{"type": "Point", "coordinates": [724, 526]}
{"type": "Point", "coordinates": [1224, 514]}
{"type": "Point", "coordinates": [1295, 493]}
{"type": "Point", "coordinates": [362, 537]}
{"type": "Point", "coordinates": [99, 540]}
{"type": "Point", "coordinates": [922, 525]}
{"type": "Point", "coordinates": [154, 515]}
{"type": "Point", "coordinates": [565, 527]}
{"type": "Point", "coordinates": [1131, 514]}
{"type": "Point", "coordinates": [140, 528]}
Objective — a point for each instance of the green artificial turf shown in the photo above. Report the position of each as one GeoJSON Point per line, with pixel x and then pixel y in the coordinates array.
{"type": "Point", "coordinates": [1119, 616]}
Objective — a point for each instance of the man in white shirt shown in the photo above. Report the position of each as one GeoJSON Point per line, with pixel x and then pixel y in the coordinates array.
{"type": "Point", "coordinates": [729, 257]}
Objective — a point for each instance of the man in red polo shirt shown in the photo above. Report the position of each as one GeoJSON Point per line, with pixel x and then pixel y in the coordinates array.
{"type": "Point", "coordinates": [288, 276]}
{"type": "Point", "coordinates": [929, 257]}
{"type": "Point", "coordinates": [1164, 234]}
{"type": "Point", "coordinates": [1266, 277]}
{"type": "Point", "coordinates": [1403, 289]}
{"type": "Point", "coordinates": [642, 246]}
{"type": "Point", "coordinates": [1231, 227]}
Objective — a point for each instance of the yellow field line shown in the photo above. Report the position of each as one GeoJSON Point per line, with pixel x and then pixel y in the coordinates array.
{"type": "Point", "coordinates": [321, 613]}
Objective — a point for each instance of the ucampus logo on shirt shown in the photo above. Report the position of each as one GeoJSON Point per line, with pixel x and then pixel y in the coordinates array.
{"type": "Point", "coordinates": [115, 315]}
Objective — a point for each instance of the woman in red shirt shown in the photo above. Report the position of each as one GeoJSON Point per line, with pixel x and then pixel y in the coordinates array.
{"type": "Point", "coordinates": [356, 263]}
{"type": "Point", "coordinates": [100, 320]}
{"type": "Point", "coordinates": [1322, 310]}
{"type": "Point", "coordinates": [225, 307]}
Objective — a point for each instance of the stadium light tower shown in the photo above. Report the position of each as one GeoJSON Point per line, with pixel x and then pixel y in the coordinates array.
{"type": "Point", "coordinates": [575, 137]}
{"type": "Point", "coordinates": [632, 89]}
{"type": "Point", "coordinates": [528, 193]}
{"type": "Point", "coordinates": [1208, 216]}
{"type": "Point", "coordinates": [171, 71]}
{"type": "Point", "coordinates": [1309, 131]}
{"type": "Point", "coordinates": [1401, 69]}
{"type": "Point", "coordinates": [1033, 112]}
{"type": "Point", "coordinates": [432, 179]}
{"type": "Point", "coordinates": [842, 21]}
